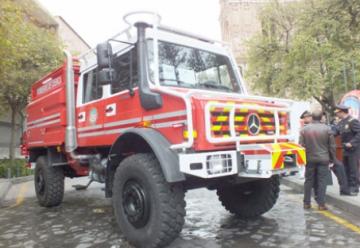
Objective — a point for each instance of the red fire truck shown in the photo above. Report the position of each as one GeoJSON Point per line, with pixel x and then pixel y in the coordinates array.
{"type": "Point", "coordinates": [151, 113]}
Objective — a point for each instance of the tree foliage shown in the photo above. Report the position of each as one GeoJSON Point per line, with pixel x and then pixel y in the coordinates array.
{"type": "Point", "coordinates": [27, 52]}
{"type": "Point", "coordinates": [307, 49]}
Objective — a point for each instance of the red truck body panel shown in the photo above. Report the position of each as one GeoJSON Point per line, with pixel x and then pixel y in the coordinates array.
{"type": "Point", "coordinates": [101, 128]}
{"type": "Point", "coordinates": [46, 111]}
{"type": "Point", "coordinates": [97, 127]}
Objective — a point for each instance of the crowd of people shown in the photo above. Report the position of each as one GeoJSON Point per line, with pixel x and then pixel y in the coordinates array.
{"type": "Point", "coordinates": [318, 138]}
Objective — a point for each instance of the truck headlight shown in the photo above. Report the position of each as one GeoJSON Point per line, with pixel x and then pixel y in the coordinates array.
{"type": "Point", "coordinates": [219, 163]}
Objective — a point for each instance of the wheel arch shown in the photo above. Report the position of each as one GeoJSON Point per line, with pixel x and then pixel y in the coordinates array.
{"type": "Point", "coordinates": [143, 140]}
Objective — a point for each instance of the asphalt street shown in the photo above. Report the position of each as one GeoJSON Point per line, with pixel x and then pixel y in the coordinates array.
{"type": "Point", "coordinates": [85, 219]}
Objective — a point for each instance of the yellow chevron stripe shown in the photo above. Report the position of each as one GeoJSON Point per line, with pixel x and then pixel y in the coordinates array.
{"type": "Point", "coordinates": [275, 156]}
{"type": "Point", "coordinates": [302, 154]}
{"type": "Point", "coordinates": [222, 118]}
{"type": "Point", "coordinates": [276, 147]}
{"type": "Point", "coordinates": [291, 145]}
{"type": "Point", "coordinates": [265, 119]}
{"type": "Point", "coordinates": [216, 128]}
{"type": "Point", "coordinates": [239, 118]}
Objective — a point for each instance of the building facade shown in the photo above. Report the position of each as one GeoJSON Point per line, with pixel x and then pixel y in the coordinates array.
{"type": "Point", "coordinates": [70, 38]}
{"type": "Point", "coordinates": [239, 21]}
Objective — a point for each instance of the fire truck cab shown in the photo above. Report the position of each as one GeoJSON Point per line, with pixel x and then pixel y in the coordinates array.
{"type": "Point", "coordinates": [153, 112]}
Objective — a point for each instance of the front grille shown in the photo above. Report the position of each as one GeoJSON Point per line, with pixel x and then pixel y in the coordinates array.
{"type": "Point", "coordinates": [220, 127]}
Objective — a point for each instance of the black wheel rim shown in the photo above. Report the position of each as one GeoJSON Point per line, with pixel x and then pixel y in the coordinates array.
{"type": "Point", "coordinates": [136, 203]}
{"type": "Point", "coordinates": [40, 183]}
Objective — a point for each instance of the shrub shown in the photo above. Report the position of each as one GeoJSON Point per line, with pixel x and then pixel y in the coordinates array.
{"type": "Point", "coordinates": [17, 168]}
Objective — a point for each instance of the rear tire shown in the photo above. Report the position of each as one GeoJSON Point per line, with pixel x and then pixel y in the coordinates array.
{"type": "Point", "coordinates": [252, 199]}
{"type": "Point", "coordinates": [49, 183]}
{"type": "Point", "coordinates": [149, 211]}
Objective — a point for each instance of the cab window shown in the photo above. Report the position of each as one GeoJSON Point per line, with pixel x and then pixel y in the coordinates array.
{"type": "Point", "coordinates": [125, 67]}
{"type": "Point", "coordinates": [92, 90]}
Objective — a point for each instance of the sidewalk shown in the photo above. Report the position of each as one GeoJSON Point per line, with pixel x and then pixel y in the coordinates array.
{"type": "Point", "coordinates": [6, 184]}
{"type": "Point", "coordinates": [349, 204]}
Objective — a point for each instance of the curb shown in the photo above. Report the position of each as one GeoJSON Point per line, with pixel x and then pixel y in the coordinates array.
{"type": "Point", "coordinates": [331, 198]}
{"type": "Point", "coordinates": [18, 180]}
{"type": "Point", "coordinates": [5, 185]}
{"type": "Point", "coordinates": [4, 189]}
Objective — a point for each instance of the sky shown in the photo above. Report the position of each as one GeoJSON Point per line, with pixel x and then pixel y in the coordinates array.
{"type": "Point", "coordinates": [97, 20]}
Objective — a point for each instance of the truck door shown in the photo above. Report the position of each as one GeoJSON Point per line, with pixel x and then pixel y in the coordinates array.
{"type": "Point", "coordinates": [106, 111]}
{"type": "Point", "coordinates": [122, 108]}
{"type": "Point", "coordinates": [89, 108]}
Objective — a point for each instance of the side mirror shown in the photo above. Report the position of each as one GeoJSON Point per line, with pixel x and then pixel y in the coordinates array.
{"type": "Point", "coordinates": [106, 76]}
{"type": "Point", "coordinates": [103, 55]}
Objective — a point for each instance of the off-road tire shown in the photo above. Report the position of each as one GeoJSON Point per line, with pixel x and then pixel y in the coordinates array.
{"type": "Point", "coordinates": [165, 202]}
{"type": "Point", "coordinates": [252, 199]}
{"type": "Point", "coordinates": [51, 193]}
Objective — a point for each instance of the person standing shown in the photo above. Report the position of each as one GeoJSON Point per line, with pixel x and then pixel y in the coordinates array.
{"type": "Point", "coordinates": [349, 130]}
{"type": "Point", "coordinates": [320, 147]}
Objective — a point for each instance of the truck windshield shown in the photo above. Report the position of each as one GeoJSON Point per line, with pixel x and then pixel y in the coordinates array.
{"type": "Point", "coordinates": [188, 67]}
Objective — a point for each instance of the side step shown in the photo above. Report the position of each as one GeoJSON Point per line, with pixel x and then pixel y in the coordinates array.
{"type": "Point", "coordinates": [82, 187]}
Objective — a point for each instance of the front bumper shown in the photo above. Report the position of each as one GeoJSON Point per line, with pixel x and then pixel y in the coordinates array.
{"type": "Point", "coordinates": [254, 161]}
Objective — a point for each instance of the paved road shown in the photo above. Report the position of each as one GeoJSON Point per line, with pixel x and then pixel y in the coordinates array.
{"type": "Point", "coordinates": [85, 219]}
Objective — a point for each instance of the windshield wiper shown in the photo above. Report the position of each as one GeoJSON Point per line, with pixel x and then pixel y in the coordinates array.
{"type": "Point", "coordinates": [213, 85]}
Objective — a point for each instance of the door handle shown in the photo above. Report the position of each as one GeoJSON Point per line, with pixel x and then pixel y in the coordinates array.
{"type": "Point", "coordinates": [80, 116]}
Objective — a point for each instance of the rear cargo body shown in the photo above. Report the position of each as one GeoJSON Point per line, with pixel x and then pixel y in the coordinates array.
{"type": "Point", "coordinates": [46, 111]}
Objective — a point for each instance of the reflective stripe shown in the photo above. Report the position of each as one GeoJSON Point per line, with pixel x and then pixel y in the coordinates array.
{"type": "Point", "coordinates": [165, 115]}
{"type": "Point", "coordinates": [35, 142]}
{"type": "Point", "coordinates": [100, 133]}
{"type": "Point", "coordinates": [135, 120]}
{"type": "Point", "coordinates": [43, 119]}
{"type": "Point", "coordinates": [131, 121]}
{"type": "Point", "coordinates": [44, 124]}
{"type": "Point", "coordinates": [80, 129]}
{"type": "Point", "coordinates": [168, 124]}
{"type": "Point", "coordinates": [123, 122]}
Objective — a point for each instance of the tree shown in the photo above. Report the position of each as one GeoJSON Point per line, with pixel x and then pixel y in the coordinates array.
{"type": "Point", "coordinates": [27, 52]}
{"type": "Point", "coordinates": [303, 49]}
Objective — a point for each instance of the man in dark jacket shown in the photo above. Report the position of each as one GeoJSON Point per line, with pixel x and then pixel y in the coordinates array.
{"type": "Point", "coordinates": [349, 130]}
{"type": "Point", "coordinates": [306, 117]}
{"type": "Point", "coordinates": [320, 148]}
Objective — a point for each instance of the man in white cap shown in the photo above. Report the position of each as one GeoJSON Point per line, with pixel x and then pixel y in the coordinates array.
{"type": "Point", "coordinates": [349, 130]}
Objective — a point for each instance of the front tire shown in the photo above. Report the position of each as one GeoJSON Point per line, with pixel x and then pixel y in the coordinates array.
{"type": "Point", "coordinates": [252, 199]}
{"type": "Point", "coordinates": [149, 211]}
{"type": "Point", "coordinates": [49, 183]}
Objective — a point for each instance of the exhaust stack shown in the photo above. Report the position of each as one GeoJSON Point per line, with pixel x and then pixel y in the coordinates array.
{"type": "Point", "coordinates": [70, 134]}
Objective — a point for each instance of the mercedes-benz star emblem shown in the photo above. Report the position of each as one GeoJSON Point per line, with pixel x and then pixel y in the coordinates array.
{"type": "Point", "coordinates": [253, 123]}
